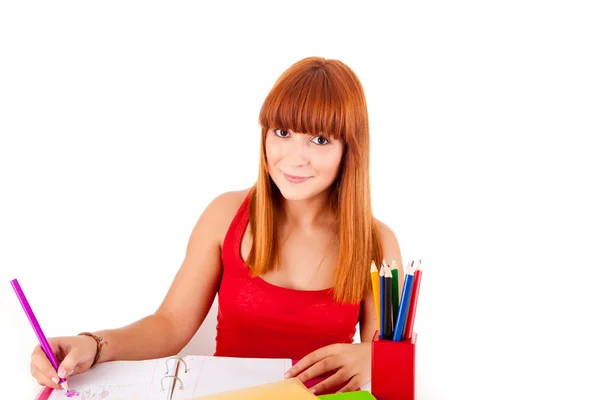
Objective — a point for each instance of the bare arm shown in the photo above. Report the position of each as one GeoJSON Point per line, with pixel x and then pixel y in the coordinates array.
{"type": "Point", "coordinates": [187, 301]}
{"type": "Point", "coordinates": [368, 317]}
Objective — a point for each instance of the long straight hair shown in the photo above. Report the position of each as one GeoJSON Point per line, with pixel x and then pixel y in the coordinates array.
{"type": "Point", "coordinates": [323, 97]}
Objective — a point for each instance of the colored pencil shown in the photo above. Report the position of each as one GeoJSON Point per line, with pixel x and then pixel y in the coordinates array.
{"type": "Point", "coordinates": [375, 285]}
{"type": "Point", "coordinates": [37, 329]}
{"type": "Point", "coordinates": [412, 309]}
{"type": "Point", "coordinates": [395, 292]}
{"type": "Point", "coordinates": [381, 301]}
{"type": "Point", "coordinates": [404, 301]}
{"type": "Point", "coordinates": [389, 319]}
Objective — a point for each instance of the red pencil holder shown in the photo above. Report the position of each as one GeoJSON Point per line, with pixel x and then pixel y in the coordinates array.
{"type": "Point", "coordinates": [393, 368]}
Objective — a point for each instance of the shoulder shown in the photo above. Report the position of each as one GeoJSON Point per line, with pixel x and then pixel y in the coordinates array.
{"type": "Point", "coordinates": [228, 202]}
{"type": "Point", "coordinates": [222, 209]}
{"type": "Point", "coordinates": [386, 233]}
{"type": "Point", "coordinates": [389, 241]}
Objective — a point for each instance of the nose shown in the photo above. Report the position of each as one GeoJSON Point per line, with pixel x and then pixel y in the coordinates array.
{"type": "Point", "coordinates": [298, 151]}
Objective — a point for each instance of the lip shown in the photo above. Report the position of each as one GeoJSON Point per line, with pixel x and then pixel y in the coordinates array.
{"type": "Point", "coordinates": [295, 179]}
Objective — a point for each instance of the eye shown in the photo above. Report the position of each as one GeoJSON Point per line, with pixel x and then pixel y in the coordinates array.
{"type": "Point", "coordinates": [320, 140]}
{"type": "Point", "coordinates": [281, 133]}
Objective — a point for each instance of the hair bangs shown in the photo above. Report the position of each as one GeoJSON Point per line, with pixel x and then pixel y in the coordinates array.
{"type": "Point", "coordinates": [307, 103]}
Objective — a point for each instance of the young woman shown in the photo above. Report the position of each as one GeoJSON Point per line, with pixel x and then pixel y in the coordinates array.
{"type": "Point", "coordinates": [289, 258]}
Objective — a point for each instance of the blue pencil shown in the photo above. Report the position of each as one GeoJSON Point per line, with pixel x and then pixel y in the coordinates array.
{"type": "Point", "coordinates": [404, 303]}
{"type": "Point", "coordinates": [382, 301]}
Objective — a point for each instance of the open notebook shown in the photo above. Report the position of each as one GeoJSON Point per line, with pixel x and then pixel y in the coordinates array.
{"type": "Point", "coordinates": [170, 378]}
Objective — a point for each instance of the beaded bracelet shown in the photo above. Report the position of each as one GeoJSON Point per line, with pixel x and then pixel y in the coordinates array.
{"type": "Point", "coordinates": [100, 342]}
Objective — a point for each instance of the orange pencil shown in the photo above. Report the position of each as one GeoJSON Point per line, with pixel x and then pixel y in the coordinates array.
{"type": "Point", "coordinates": [412, 308]}
{"type": "Point", "coordinates": [376, 293]}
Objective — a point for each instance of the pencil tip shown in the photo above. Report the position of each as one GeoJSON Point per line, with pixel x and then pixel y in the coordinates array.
{"type": "Point", "coordinates": [65, 385]}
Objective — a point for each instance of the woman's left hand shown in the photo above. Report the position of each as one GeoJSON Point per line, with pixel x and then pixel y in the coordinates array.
{"type": "Point", "coordinates": [349, 363]}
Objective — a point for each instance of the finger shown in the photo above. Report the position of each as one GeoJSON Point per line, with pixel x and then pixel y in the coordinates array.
{"type": "Point", "coordinates": [352, 385]}
{"type": "Point", "coordinates": [333, 381]}
{"type": "Point", "coordinates": [311, 359]}
{"type": "Point", "coordinates": [42, 364]}
{"type": "Point", "coordinates": [318, 369]}
{"type": "Point", "coordinates": [43, 379]}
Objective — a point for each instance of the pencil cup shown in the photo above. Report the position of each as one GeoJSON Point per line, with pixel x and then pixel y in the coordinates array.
{"type": "Point", "coordinates": [393, 368]}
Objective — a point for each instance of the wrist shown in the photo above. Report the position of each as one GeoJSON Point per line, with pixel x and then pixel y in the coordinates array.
{"type": "Point", "coordinates": [100, 343]}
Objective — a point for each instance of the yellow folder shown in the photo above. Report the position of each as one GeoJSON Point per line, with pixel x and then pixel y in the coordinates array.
{"type": "Point", "coordinates": [288, 389]}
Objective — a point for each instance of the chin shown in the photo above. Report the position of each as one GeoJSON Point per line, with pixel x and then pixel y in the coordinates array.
{"type": "Point", "coordinates": [296, 194]}
{"type": "Point", "coordinates": [293, 192]}
{"type": "Point", "coordinates": [293, 196]}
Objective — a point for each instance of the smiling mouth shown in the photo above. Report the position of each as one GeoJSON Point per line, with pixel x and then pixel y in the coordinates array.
{"type": "Point", "coordinates": [295, 179]}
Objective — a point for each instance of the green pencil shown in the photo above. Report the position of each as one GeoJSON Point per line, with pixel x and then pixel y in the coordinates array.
{"type": "Point", "coordinates": [395, 293]}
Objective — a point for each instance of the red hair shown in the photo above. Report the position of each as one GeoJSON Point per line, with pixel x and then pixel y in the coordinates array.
{"type": "Point", "coordinates": [324, 97]}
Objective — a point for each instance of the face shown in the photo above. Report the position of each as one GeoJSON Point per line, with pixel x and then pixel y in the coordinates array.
{"type": "Point", "coordinates": [301, 165]}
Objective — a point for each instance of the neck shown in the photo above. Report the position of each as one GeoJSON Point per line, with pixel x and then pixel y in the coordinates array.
{"type": "Point", "coordinates": [309, 213]}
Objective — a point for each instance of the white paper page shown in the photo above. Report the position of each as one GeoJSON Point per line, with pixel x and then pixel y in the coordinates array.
{"type": "Point", "coordinates": [120, 380]}
{"type": "Point", "coordinates": [209, 375]}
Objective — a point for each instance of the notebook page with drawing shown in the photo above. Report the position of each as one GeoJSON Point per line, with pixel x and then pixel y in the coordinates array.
{"type": "Point", "coordinates": [169, 378]}
{"type": "Point", "coordinates": [120, 379]}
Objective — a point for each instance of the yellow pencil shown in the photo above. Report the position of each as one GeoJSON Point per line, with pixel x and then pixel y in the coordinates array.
{"type": "Point", "coordinates": [376, 293]}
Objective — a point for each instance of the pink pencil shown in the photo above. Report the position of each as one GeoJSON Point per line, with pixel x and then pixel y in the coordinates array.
{"type": "Point", "coordinates": [37, 329]}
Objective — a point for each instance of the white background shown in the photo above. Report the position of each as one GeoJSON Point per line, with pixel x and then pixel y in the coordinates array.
{"type": "Point", "coordinates": [120, 121]}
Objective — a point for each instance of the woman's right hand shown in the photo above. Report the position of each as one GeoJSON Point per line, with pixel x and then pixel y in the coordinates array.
{"type": "Point", "coordinates": [75, 354]}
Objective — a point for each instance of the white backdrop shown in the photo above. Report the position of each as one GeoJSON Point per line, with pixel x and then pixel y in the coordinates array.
{"type": "Point", "coordinates": [120, 121]}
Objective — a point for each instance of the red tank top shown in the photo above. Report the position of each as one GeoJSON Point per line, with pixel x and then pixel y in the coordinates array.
{"type": "Point", "coordinates": [262, 320]}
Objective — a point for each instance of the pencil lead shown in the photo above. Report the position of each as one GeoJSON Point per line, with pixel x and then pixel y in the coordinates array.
{"type": "Point", "coordinates": [388, 272]}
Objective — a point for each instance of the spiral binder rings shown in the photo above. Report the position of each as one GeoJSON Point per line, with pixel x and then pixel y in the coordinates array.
{"type": "Point", "coordinates": [174, 377]}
